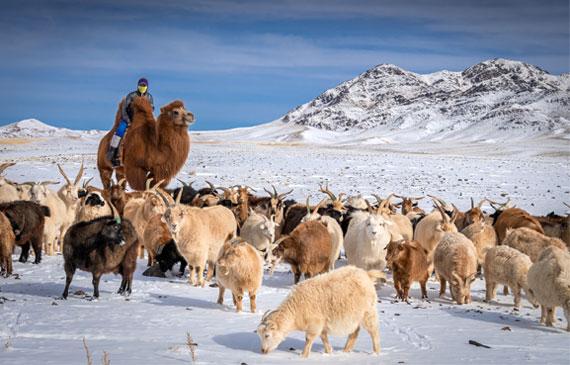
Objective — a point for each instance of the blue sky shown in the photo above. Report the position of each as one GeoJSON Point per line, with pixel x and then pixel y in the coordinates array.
{"type": "Point", "coordinates": [240, 63]}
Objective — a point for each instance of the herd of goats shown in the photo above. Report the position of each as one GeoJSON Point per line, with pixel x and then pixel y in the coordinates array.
{"type": "Point", "coordinates": [233, 233]}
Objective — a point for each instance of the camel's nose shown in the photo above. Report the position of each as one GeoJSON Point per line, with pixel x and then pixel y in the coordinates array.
{"type": "Point", "coordinates": [190, 117]}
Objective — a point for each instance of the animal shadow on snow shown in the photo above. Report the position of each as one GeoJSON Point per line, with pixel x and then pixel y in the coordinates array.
{"type": "Point", "coordinates": [50, 290]}
{"type": "Point", "coordinates": [502, 319]}
{"type": "Point", "coordinates": [249, 341]}
{"type": "Point", "coordinates": [172, 300]}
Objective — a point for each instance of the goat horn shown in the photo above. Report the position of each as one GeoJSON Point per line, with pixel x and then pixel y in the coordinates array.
{"type": "Point", "coordinates": [340, 196]}
{"type": "Point", "coordinates": [183, 183]}
{"type": "Point", "coordinates": [86, 182]}
{"type": "Point", "coordinates": [49, 182]}
{"type": "Point", "coordinates": [387, 201]}
{"type": "Point", "coordinates": [63, 174]}
{"type": "Point", "coordinates": [379, 200]}
{"type": "Point", "coordinates": [319, 206]}
{"type": "Point", "coordinates": [472, 204]}
{"type": "Point", "coordinates": [158, 184]}
{"type": "Point", "coordinates": [281, 196]}
{"type": "Point", "coordinates": [481, 203]}
{"type": "Point", "coordinates": [79, 174]}
{"type": "Point", "coordinates": [5, 165]}
{"type": "Point", "coordinates": [417, 198]}
{"type": "Point", "coordinates": [166, 201]}
{"type": "Point", "coordinates": [399, 196]}
{"type": "Point", "coordinates": [116, 215]}
{"type": "Point", "coordinates": [121, 181]}
{"type": "Point", "coordinates": [327, 191]}
{"type": "Point", "coordinates": [444, 215]}
{"type": "Point", "coordinates": [250, 188]}
{"type": "Point", "coordinates": [308, 206]}
{"type": "Point", "coordinates": [178, 196]}
{"type": "Point", "coordinates": [566, 204]}
{"type": "Point", "coordinates": [211, 185]}
{"type": "Point", "coordinates": [274, 191]}
{"type": "Point", "coordinates": [147, 183]}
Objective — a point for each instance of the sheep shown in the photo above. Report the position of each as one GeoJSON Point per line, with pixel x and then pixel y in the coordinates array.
{"type": "Point", "coordinates": [259, 231]}
{"type": "Point", "coordinates": [530, 242]}
{"type": "Point", "coordinates": [199, 234]}
{"type": "Point", "coordinates": [307, 249]}
{"type": "Point", "coordinates": [483, 237]}
{"type": "Point", "coordinates": [92, 206]}
{"type": "Point", "coordinates": [431, 229]}
{"type": "Point", "coordinates": [56, 223]}
{"type": "Point", "coordinates": [7, 243]}
{"type": "Point", "coordinates": [337, 303]}
{"type": "Point", "coordinates": [366, 240]}
{"type": "Point", "coordinates": [333, 228]}
{"type": "Point", "coordinates": [239, 269]}
{"type": "Point", "coordinates": [455, 261]}
{"type": "Point", "coordinates": [549, 283]}
{"type": "Point", "coordinates": [507, 266]}
{"type": "Point", "coordinates": [28, 221]}
{"type": "Point", "coordinates": [8, 189]}
{"type": "Point", "coordinates": [103, 245]}
{"type": "Point", "coordinates": [506, 217]}
{"type": "Point", "coordinates": [408, 262]}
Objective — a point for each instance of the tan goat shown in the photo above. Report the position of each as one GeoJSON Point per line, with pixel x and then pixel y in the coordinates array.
{"type": "Point", "coordinates": [530, 242]}
{"type": "Point", "coordinates": [239, 269]}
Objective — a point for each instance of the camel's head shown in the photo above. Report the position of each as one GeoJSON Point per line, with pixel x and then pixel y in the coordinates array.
{"type": "Point", "coordinates": [177, 114]}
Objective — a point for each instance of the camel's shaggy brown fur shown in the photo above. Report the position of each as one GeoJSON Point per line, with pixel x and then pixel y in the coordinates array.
{"type": "Point", "coordinates": [158, 147]}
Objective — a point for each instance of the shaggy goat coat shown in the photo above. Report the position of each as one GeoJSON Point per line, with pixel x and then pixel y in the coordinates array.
{"type": "Point", "coordinates": [549, 283]}
{"type": "Point", "coordinates": [239, 269]}
{"type": "Point", "coordinates": [337, 303]}
{"type": "Point", "coordinates": [531, 242]}
{"type": "Point", "coordinates": [507, 266]}
{"type": "Point", "coordinates": [7, 243]}
{"type": "Point", "coordinates": [455, 261]}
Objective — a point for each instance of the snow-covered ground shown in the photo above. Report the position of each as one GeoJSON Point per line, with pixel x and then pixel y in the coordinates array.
{"type": "Point", "coordinates": [150, 326]}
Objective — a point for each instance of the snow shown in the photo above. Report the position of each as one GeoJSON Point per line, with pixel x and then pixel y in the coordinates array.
{"type": "Point", "coordinates": [150, 326]}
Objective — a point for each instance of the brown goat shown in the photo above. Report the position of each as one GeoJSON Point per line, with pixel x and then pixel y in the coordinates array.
{"type": "Point", "coordinates": [556, 226]}
{"type": "Point", "coordinates": [514, 218]}
{"type": "Point", "coordinates": [408, 262]}
{"type": "Point", "coordinates": [409, 205]}
{"type": "Point", "coordinates": [7, 242]}
{"type": "Point", "coordinates": [157, 146]}
{"type": "Point", "coordinates": [307, 249]}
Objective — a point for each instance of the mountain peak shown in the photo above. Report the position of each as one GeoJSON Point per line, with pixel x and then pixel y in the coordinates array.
{"type": "Point", "coordinates": [500, 93]}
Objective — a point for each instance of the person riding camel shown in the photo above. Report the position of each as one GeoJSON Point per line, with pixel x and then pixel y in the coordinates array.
{"type": "Point", "coordinates": [126, 115]}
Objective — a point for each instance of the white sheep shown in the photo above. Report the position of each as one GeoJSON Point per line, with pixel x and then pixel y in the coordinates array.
{"type": "Point", "coordinates": [455, 261]}
{"type": "Point", "coordinates": [259, 231]}
{"type": "Point", "coordinates": [366, 240]}
{"type": "Point", "coordinates": [507, 266]}
{"type": "Point", "coordinates": [336, 303]}
{"type": "Point", "coordinates": [549, 283]}
{"type": "Point", "coordinates": [239, 269]}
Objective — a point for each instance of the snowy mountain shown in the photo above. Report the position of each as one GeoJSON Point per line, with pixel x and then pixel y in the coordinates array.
{"type": "Point", "coordinates": [491, 99]}
{"type": "Point", "coordinates": [33, 128]}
